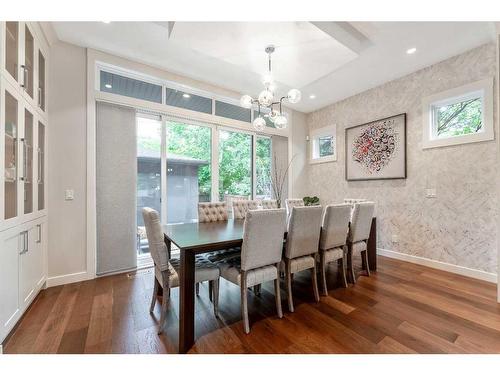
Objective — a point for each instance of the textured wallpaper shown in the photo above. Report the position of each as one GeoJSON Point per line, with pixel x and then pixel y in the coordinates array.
{"type": "Point", "coordinates": [459, 225]}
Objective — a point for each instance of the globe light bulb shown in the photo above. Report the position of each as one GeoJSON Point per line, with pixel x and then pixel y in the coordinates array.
{"type": "Point", "coordinates": [246, 101]}
{"type": "Point", "coordinates": [267, 80]}
{"type": "Point", "coordinates": [266, 98]}
{"type": "Point", "coordinates": [273, 115]}
{"type": "Point", "coordinates": [259, 124]}
{"type": "Point", "coordinates": [294, 96]}
{"type": "Point", "coordinates": [280, 122]}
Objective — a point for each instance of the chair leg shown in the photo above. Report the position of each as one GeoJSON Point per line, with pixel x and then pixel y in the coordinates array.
{"type": "Point", "coordinates": [315, 282]}
{"type": "Point", "coordinates": [350, 266]}
{"type": "Point", "coordinates": [364, 255]}
{"type": "Point", "coordinates": [288, 277]}
{"type": "Point", "coordinates": [164, 303]}
{"type": "Point", "coordinates": [211, 290]}
{"type": "Point", "coordinates": [155, 295]}
{"type": "Point", "coordinates": [215, 291]}
{"type": "Point", "coordinates": [257, 289]}
{"type": "Point", "coordinates": [244, 303]}
{"type": "Point", "coordinates": [277, 294]}
{"type": "Point", "coordinates": [197, 289]}
{"type": "Point", "coordinates": [322, 266]}
{"type": "Point", "coordinates": [343, 268]}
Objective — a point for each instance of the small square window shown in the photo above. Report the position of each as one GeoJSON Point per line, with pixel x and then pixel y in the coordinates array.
{"type": "Point", "coordinates": [324, 145]}
{"type": "Point", "coordinates": [460, 115]}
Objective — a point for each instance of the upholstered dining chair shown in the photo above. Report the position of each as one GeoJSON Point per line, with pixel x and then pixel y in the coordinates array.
{"type": "Point", "coordinates": [167, 269]}
{"type": "Point", "coordinates": [359, 232]}
{"type": "Point", "coordinates": [290, 203]}
{"type": "Point", "coordinates": [302, 246]}
{"type": "Point", "coordinates": [333, 239]}
{"type": "Point", "coordinates": [212, 211]}
{"type": "Point", "coordinates": [241, 207]}
{"type": "Point", "coordinates": [269, 204]}
{"type": "Point", "coordinates": [260, 258]}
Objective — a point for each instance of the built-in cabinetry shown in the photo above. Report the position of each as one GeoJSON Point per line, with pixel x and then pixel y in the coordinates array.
{"type": "Point", "coordinates": [23, 161]}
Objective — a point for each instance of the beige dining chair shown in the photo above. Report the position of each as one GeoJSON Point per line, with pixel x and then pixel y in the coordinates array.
{"type": "Point", "coordinates": [333, 239]}
{"type": "Point", "coordinates": [269, 204]}
{"type": "Point", "coordinates": [167, 269]}
{"type": "Point", "coordinates": [260, 256]}
{"type": "Point", "coordinates": [241, 207]}
{"type": "Point", "coordinates": [302, 246]}
{"type": "Point", "coordinates": [212, 211]}
{"type": "Point", "coordinates": [359, 232]}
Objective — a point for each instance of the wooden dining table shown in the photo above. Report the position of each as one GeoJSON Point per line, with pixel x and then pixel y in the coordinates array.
{"type": "Point", "coordinates": [199, 238]}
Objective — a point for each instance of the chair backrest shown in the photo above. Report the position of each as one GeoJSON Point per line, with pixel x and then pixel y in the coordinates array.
{"type": "Point", "coordinates": [212, 211]}
{"type": "Point", "coordinates": [335, 226]}
{"type": "Point", "coordinates": [269, 204]}
{"type": "Point", "coordinates": [293, 203]}
{"type": "Point", "coordinates": [304, 229]}
{"type": "Point", "coordinates": [361, 221]}
{"type": "Point", "coordinates": [241, 207]}
{"type": "Point", "coordinates": [156, 241]}
{"type": "Point", "coordinates": [263, 234]}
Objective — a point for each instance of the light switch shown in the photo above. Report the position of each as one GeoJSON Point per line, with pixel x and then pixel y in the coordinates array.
{"type": "Point", "coordinates": [430, 193]}
{"type": "Point", "coordinates": [395, 238]}
{"type": "Point", "coordinates": [69, 195]}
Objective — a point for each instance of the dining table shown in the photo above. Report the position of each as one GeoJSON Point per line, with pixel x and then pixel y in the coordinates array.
{"type": "Point", "coordinates": [198, 238]}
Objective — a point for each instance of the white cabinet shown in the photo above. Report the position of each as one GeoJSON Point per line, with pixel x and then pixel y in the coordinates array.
{"type": "Point", "coordinates": [22, 270]}
{"type": "Point", "coordinates": [23, 168]}
{"type": "Point", "coordinates": [10, 311]}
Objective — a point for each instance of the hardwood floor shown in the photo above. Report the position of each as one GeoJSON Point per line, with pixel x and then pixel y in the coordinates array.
{"type": "Point", "coordinates": [401, 308]}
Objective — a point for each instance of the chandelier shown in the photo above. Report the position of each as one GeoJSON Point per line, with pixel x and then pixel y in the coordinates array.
{"type": "Point", "coordinates": [266, 99]}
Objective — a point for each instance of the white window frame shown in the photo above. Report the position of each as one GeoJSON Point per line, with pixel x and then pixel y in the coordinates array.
{"type": "Point", "coordinates": [482, 89]}
{"type": "Point", "coordinates": [327, 131]}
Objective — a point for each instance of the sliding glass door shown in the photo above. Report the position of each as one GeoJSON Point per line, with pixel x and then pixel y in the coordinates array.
{"type": "Point", "coordinates": [235, 164]}
{"type": "Point", "coordinates": [189, 171]}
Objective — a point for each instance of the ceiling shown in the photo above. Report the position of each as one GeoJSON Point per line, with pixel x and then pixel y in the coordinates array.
{"type": "Point", "coordinates": [330, 60]}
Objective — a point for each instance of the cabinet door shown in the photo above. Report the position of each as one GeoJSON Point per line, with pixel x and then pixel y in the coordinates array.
{"type": "Point", "coordinates": [40, 254]}
{"type": "Point", "coordinates": [11, 127]}
{"type": "Point", "coordinates": [12, 53]}
{"type": "Point", "coordinates": [27, 143]}
{"type": "Point", "coordinates": [28, 67]}
{"type": "Point", "coordinates": [41, 80]}
{"type": "Point", "coordinates": [10, 246]}
{"type": "Point", "coordinates": [27, 267]}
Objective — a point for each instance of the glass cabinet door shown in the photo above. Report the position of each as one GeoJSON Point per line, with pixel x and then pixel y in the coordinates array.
{"type": "Point", "coordinates": [27, 143]}
{"type": "Point", "coordinates": [41, 80]}
{"type": "Point", "coordinates": [10, 172]}
{"type": "Point", "coordinates": [11, 48]}
{"type": "Point", "coordinates": [41, 166]}
{"type": "Point", "coordinates": [29, 57]}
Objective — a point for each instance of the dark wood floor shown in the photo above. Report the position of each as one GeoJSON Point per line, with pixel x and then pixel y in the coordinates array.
{"type": "Point", "coordinates": [402, 308]}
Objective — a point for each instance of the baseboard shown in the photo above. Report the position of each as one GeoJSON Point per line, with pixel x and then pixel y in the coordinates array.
{"type": "Point", "coordinates": [464, 271]}
{"type": "Point", "coordinates": [67, 279]}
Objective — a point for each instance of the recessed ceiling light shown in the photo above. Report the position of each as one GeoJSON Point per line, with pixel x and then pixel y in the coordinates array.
{"type": "Point", "coordinates": [108, 86]}
{"type": "Point", "coordinates": [411, 51]}
{"type": "Point", "coordinates": [185, 95]}
{"type": "Point", "coordinates": [312, 96]}
{"type": "Point", "coordinates": [106, 21]}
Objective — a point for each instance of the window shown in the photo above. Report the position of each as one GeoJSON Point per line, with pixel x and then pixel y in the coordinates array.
{"type": "Point", "coordinates": [181, 99]}
{"type": "Point", "coordinates": [263, 163]}
{"type": "Point", "coordinates": [460, 115]}
{"type": "Point", "coordinates": [117, 84]}
{"type": "Point", "coordinates": [232, 111]}
{"type": "Point", "coordinates": [324, 145]}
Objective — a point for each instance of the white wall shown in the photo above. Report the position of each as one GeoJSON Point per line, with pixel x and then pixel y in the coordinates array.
{"type": "Point", "coordinates": [459, 226]}
{"type": "Point", "coordinates": [67, 163]}
{"type": "Point", "coordinates": [297, 143]}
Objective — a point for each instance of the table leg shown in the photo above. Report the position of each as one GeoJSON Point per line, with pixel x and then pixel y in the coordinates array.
{"type": "Point", "coordinates": [372, 246]}
{"type": "Point", "coordinates": [186, 303]}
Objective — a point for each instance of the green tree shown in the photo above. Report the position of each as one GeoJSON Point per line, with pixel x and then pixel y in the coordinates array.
{"type": "Point", "coordinates": [460, 118]}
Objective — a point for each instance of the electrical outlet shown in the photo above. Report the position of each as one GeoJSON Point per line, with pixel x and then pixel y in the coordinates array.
{"type": "Point", "coordinates": [69, 195]}
{"type": "Point", "coordinates": [430, 193]}
{"type": "Point", "coordinates": [395, 238]}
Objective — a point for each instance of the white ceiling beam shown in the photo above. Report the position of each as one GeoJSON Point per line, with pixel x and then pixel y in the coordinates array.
{"type": "Point", "coordinates": [169, 25]}
{"type": "Point", "coordinates": [346, 34]}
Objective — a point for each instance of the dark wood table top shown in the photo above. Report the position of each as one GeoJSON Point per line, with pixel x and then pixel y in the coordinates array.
{"type": "Point", "coordinates": [205, 237]}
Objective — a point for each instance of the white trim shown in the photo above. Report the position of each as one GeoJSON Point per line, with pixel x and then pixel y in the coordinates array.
{"type": "Point", "coordinates": [67, 279]}
{"type": "Point", "coordinates": [482, 89]}
{"type": "Point", "coordinates": [453, 268]}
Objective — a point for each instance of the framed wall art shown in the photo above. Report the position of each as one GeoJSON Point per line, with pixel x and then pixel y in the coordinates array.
{"type": "Point", "coordinates": [376, 150]}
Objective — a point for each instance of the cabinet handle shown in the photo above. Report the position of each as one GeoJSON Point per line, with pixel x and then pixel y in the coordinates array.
{"type": "Point", "coordinates": [40, 97]}
{"type": "Point", "coordinates": [25, 238]}
{"type": "Point", "coordinates": [25, 161]}
{"type": "Point", "coordinates": [40, 160]}
{"type": "Point", "coordinates": [24, 70]}
{"type": "Point", "coordinates": [39, 240]}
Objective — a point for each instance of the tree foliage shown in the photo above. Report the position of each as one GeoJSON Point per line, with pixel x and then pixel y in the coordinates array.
{"type": "Point", "coordinates": [460, 118]}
